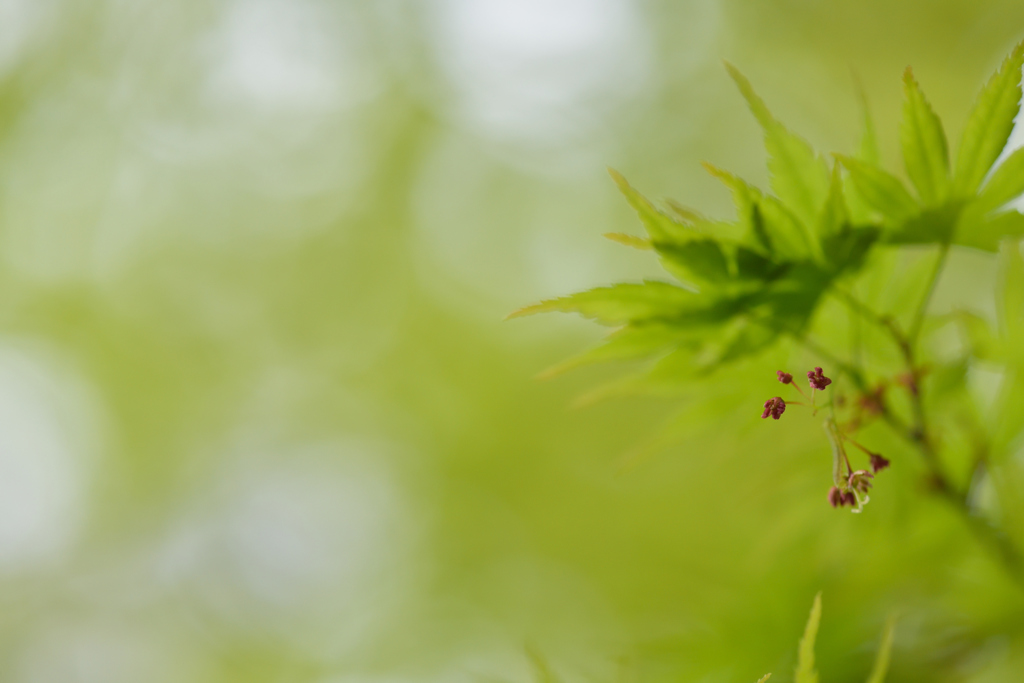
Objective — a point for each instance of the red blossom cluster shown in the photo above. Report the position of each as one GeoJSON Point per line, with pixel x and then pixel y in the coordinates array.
{"type": "Point", "coordinates": [817, 380]}
{"type": "Point", "coordinates": [851, 486]}
{"type": "Point", "coordinates": [774, 407]}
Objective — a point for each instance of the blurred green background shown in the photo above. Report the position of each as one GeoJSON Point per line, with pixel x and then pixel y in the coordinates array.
{"type": "Point", "coordinates": [261, 418]}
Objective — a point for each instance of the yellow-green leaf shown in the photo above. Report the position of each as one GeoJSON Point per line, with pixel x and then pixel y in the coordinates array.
{"type": "Point", "coordinates": [880, 190]}
{"type": "Point", "coordinates": [1006, 183]}
{"type": "Point", "coordinates": [835, 213]}
{"type": "Point", "coordinates": [868, 152]}
{"type": "Point", "coordinates": [632, 342]}
{"type": "Point", "coordinates": [868, 148]}
{"type": "Point", "coordinates": [934, 225]}
{"type": "Point", "coordinates": [621, 303]}
{"type": "Point", "coordinates": [659, 225]}
{"type": "Point", "coordinates": [925, 154]}
{"type": "Point", "coordinates": [696, 262]}
{"type": "Point", "coordinates": [685, 213]}
{"type": "Point", "coordinates": [629, 240]}
{"type": "Point", "coordinates": [772, 224]}
{"type": "Point", "coordinates": [799, 176]}
{"type": "Point", "coordinates": [989, 124]}
{"type": "Point", "coordinates": [1011, 291]}
{"type": "Point", "coordinates": [881, 667]}
{"type": "Point", "coordinates": [805, 671]}
{"type": "Point", "coordinates": [986, 231]}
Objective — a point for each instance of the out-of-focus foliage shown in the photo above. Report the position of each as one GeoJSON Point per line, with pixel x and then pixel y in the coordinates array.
{"type": "Point", "coordinates": [805, 669]}
{"type": "Point", "coordinates": [261, 421]}
{"type": "Point", "coordinates": [747, 284]}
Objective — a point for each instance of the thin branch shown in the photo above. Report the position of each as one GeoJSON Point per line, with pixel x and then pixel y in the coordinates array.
{"type": "Point", "coordinates": [856, 338]}
{"type": "Point", "coordinates": [860, 308]}
{"type": "Point", "coordinates": [918, 434]}
{"type": "Point", "coordinates": [850, 370]}
{"type": "Point", "coordinates": [886, 323]}
{"type": "Point", "coordinates": [922, 308]}
{"type": "Point", "coordinates": [857, 445]}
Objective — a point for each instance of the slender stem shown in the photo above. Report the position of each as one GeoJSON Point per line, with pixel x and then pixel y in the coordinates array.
{"type": "Point", "coordinates": [856, 337]}
{"type": "Point", "coordinates": [979, 461]}
{"type": "Point", "coordinates": [856, 375]}
{"type": "Point", "coordinates": [995, 538]}
{"type": "Point", "coordinates": [856, 445]}
{"type": "Point", "coordinates": [838, 454]}
{"type": "Point", "coordinates": [883, 321]}
{"type": "Point", "coordinates": [853, 372]}
{"type": "Point", "coordinates": [915, 326]}
{"type": "Point", "coordinates": [918, 434]}
{"type": "Point", "coordinates": [860, 308]}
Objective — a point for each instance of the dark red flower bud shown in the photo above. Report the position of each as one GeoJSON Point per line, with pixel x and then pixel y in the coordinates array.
{"type": "Point", "coordinates": [849, 498]}
{"type": "Point", "coordinates": [774, 407]}
{"type": "Point", "coordinates": [817, 380]}
{"type": "Point", "coordinates": [878, 463]}
{"type": "Point", "coordinates": [835, 497]}
{"type": "Point", "coordinates": [784, 377]}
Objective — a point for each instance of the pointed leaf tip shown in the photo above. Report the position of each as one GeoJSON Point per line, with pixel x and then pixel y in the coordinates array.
{"type": "Point", "coordinates": [835, 214]}
{"type": "Point", "coordinates": [867, 149]}
{"type": "Point", "coordinates": [881, 667]}
{"type": "Point", "coordinates": [524, 311]}
{"type": "Point", "coordinates": [925, 152]}
{"type": "Point", "coordinates": [659, 225]}
{"type": "Point", "coordinates": [620, 303]}
{"type": "Point", "coordinates": [805, 670]}
{"type": "Point", "coordinates": [881, 191]}
{"type": "Point", "coordinates": [989, 124]}
{"type": "Point", "coordinates": [799, 177]}
{"type": "Point", "coordinates": [710, 168]}
{"type": "Point", "coordinates": [754, 101]}
{"type": "Point", "coordinates": [1005, 184]}
{"type": "Point", "coordinates": [628, 240]}
{"type": "Point", "coordinates": [683, 213]}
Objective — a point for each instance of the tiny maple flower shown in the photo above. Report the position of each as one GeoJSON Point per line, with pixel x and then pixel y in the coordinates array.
{"type": "Point", "coordinates": [860, 481]}
{"type": "Point", "coordinates": [774, 407]}
{"type": "Point", "coordinates": [849, 498]}
{"type": "Point", "coordinates": [817, 380]}
{"type": "Point", "coordinates": [784, 377]}
{"type": "Point", "coordinates": [835, 497]}
{"type": "Point", "coordinates": [878, 463]}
